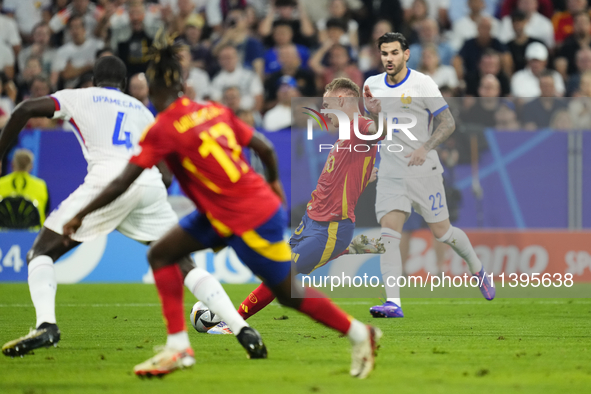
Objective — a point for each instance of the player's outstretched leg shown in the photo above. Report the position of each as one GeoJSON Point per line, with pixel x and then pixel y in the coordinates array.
{"type": "Point", "coordinates": [47, 248]}
{"type": "Point", "coordinates": [173, 247]}
{"type": "Point", "coordinates": [364, 339]}
{"type": "Point", "coordinates": [458, 240]}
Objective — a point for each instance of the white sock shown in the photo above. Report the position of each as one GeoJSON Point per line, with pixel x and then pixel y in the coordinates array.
{"type": "Point", "coordinates": [43, 286]}
{"type": "Point", "coordinates": [178, 341]}
{"type": "Point", "coordinates": [458, 240]}
{"type": "Point", "coordinates": [391, 263]}
{"type": "Point", "coordinates": [357, 332]}
{"type": "Point", "coordinates": [206, 288]}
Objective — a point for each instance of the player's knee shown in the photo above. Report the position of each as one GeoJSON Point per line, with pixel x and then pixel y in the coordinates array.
{"type": "Point", "coordinates": [156, 258]}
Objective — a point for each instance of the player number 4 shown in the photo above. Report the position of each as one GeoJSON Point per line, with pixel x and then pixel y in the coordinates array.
{"type": "Point", "coordinates": [117, 140]}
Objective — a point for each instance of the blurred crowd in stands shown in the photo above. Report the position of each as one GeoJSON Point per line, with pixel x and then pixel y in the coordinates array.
{"type": "Point", "coordinates": [256, 55]}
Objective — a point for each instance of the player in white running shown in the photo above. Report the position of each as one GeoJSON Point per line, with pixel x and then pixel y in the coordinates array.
{"type": "Point", "coordinates": [108, 124]}
{"type": "Point", "coordinates": [412, 177]}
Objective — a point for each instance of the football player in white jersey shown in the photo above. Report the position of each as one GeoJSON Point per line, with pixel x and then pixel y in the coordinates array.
{"type": "Point", "coordinates": [108, 124]}
{"type": "Point", "coordinates": [412, 177]}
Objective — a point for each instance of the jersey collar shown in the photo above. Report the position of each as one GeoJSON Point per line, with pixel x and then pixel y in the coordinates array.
{"type": "Point", "coordinates": [110, 88]}
{"type": "Point", "coordinates": [399, 83]}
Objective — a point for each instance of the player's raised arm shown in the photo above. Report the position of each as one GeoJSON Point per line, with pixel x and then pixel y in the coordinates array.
{"type": "Point", "coordinates": [34, 108]}
{"type": "Point", "coordinates": [113, 190]}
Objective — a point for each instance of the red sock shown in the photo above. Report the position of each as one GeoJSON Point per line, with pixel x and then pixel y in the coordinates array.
{"type": "Point", "coordinates": [257, 300]}
{"type": "Point", "coordinates": [323, 310]}
{"type": "Point", "coordinates": [169, 282]}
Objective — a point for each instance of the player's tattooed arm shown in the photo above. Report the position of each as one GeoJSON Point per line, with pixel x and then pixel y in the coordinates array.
{"type": "Point", "coordinates": [446, 126]}
{"type": "Point", "coordinates": [34, 108]}
{"type": "Point", "coordinates": [113, 190]}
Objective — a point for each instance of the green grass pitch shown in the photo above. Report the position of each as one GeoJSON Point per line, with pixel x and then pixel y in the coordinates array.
{"type": "Point", "coordinates": [441, 346]}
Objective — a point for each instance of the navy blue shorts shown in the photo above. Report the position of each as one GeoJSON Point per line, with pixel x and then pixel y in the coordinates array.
{"type": "Point", "coordinates": [263, 249]}
{"type": "Point", "coordinates": [314, 243]}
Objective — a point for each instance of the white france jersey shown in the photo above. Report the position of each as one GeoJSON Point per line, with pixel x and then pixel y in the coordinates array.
{"type": "Point", "coordinates": [108, 125]}
{"type": "Point", "coordinates": [416, 94]}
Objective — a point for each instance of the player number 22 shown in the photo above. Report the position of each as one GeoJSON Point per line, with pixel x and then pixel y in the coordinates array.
{"type": "Point", "coordinates": [433, 198]}
{"type": "Point", "coordinates": [117, 140]}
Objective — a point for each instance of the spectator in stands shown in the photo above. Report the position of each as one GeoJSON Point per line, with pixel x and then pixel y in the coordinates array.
{"type": "Point", "coordinates": [536, 25]}
{"type": "Point", "coordinates": [119, 18]}
{"type": "Point", "coordinates": [466, 28]}
{"type": "Point", "coordinates": [373, 12]}
{"type": "Point", "coordinates": [283, 36]}
{"type": "Point", "coordinates": [216, 12]}
{"type": "Point", "coordinates": [176, 21]}
{"type": "Point", "coordinates": [20, 183]}
{"type": "Point", "coordinates": [430, 65]}
{"type": "Point", "coordinates": [538, 113]}
{"type": "Point", "coordinates": [3, 119]}
{"type": "Point", "coordinates": [80, 8]}
{"type": "Point", "coordinates": [338, 10]}
{"type": "Point", "coordinates": [194, 76]}
{"type": "Point", "coordinates": [506, 117]}
{"type": "Point", "coordinates": [545, 7]}
{"type": "Point", "coordinates": [74, 58]}
{"type": "Point", "coordinates": [236, 33]}
{"type": "Point", "coordinates": [336, 31]}
{"type": "Point", "coordinates": [231, 98]}
{"type": "Point", "coordinates": [40, 87]}
{"type": "Point", "coordinates": [563, 21]}
{"type": "Point", "coordinates": [483, 110]}
{"type": "Point", "coordinates": [525, 83]}
{"type": "Point", "coordinates": [6, 60]}
{"type": "Point", "coordinates": [39, 48]}
{"type": "Point", "coordinates": [9, 34]}
{"type": "Point", "coordinates": [201, 55]}
{"type": "Point", "coordinates": [291, 65]}
{"type": "Point", "coordinates": [293, 11]}
{"type": "Point", "coordinates": [459, 9]}
{"type": "Point", "coordinates": [429, 34]}
{"type": "Point", "coordinates": [581, 38]}
{"type": "Point", "coordinates": [520, 42]}
{"type": "Point", "coordinates": [436, 9]}
{"type": "Point", "coordinates": [30, 71]}
{"type": "Point", "coordinates": [490, 63]}
{"type": "Point", "coordinates": [133, 41]}
{"type": "Point", "coordinates": [138, 88]}
{"type": "Point", "coordinates": [583, 61]}
{"type": "Point", "coordinates": [7, 93]}
{"type": "Point", "coordinates": [414, 15]}
{"type": "Point", "coordinates": [339, 65]}
{"type": "Point", "coordinates": [233, 74]}
{"type": "Point", "coordinates": [370, 61]}
{"type": "Point", "coordinates": [27, 13]}
{"type": "Point", "coordinates": [279, 117]}
{"type": "Point", "coordinates": [322, 8]}
{"type": "Point", "coordinates": [469, 56]}
{"type": "Point", "coordinates": [580, 107]}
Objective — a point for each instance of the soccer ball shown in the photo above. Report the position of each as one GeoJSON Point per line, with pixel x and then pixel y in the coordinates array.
{"type": "Point", "coordinates": [202, 318]}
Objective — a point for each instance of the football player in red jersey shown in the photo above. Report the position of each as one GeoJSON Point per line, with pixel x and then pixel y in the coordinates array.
{"type": "Point", "coordinates": [202, 145]}
{"type": "Point", "coordinates": [326, 230]}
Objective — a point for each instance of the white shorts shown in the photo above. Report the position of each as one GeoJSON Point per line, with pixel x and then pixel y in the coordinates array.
{"type": "Point", "coordinates": [426, 195]}
{"type": "Point", "coordinates": [141, 213]}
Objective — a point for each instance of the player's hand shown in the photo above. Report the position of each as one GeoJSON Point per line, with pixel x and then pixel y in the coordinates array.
{"type": "Point", "coordinates": [374, 175]}
{"type": "Point", "coordinates": [277, 188]}
{"type": "Point", "coordinates": [373, 105]}
{"type": "Point", "coordinates": [70, 228]}
{"type": "Point", "coordinates": [417, 157]}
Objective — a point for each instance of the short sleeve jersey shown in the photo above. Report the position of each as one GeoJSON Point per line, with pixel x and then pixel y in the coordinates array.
{"type": "Point", "coordinates": [108, 125]}
{"type": "Point", "coordinates": [344, 177]}
{"type": "Point", "coordinates": [202, 145]}
{"type": "Point", "coordinates": [416, 94]}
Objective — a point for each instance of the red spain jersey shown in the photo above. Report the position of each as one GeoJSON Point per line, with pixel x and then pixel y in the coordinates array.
{"type": "Point", "coordinates": [344, 177]}
{"type": "Point", "coordinates": [202, 145]}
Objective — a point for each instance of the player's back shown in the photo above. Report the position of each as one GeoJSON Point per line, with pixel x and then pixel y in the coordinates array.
{"type": "Point", "coordinates": [202, 144]}
{"type": "Point", "coordinates": [108, 125]}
